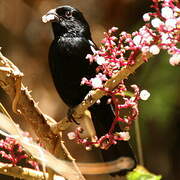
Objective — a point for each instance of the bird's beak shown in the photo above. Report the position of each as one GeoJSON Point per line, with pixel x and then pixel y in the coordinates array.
{"type": "Point", "coordinates": [50, 16]}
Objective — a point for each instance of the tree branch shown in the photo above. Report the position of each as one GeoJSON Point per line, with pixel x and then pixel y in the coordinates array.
{"type": "Point", "coordinates": [94, 95]}
{"type": "Point", "coordinates": [10, 78]}
{"type": "Point", "coordinates": [24, 173]}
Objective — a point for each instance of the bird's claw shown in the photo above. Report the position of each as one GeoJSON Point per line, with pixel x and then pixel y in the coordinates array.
{"type": "Point", "coordinates": [70, 116]}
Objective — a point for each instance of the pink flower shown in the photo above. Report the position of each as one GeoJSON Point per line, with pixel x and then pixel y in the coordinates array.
{"type": "Point", "coordinates": [175, 59]}
{"type": "Point", "coordinates": [90, 57]}
{"type": "Point", "coordinates": [167, 12]}
{"type": "Point", "coordinates": [146, 17]}
{"type": "Point", "coordinates": [117, 53]}
{"type": "Point", "coordinates": [100, 60]}
{"type": "Point", "coordinates": [113, 29]}
{"type": "Point", "coordinates": [170, 24]}
{"type": "Point", "coordinates": [96, 82]}
{"type": "Point", "coordinates": [71, 135]}
{"type": "Point", "coordinates": [156, 23]}
{"type": "Point", "coordinates": [165, 38]}
{"type": "Point", "coordinates": [144, 95]}
{"type": "Point", "coordinates": [145, 49]}
{"type": "Point", "coordinates": [125, 136]}
{"type": "Point", "coordinates": [137, 39]}
{"type": "Point", "coordinates": [154, 49]}
{"type": "Point", "coordinates": [84, 80]}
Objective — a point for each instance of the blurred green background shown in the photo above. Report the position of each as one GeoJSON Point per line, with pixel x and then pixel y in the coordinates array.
{"type": "Point", "coordinates": [25, 40]}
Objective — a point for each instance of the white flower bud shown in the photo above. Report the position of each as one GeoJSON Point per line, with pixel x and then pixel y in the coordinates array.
{"type": "Point", "coordinates": [154, 49]}
{"type": "Point", "coordinates": [125, 135]}
{"type": "Point", "coordinates": [170, 24]}
{"type": "Point", "coordinates": [145, 49]}
{"type": "Point", "coordinates": [98, 101]}
{"type": "Point", "coordinates": [167, 12]}
{"type": "Point", "coordinates": [144, 95]}
{"type": "Point", "coordinates": [175, 60]}
{"type": "Point", "coordinates": [71, 135]}
{"type": "Point", "coordinates": [156, 23]}
{"type": "Point", "coordinates": [100, 60]}
{"type": "Point", "coordinates": [88, 148]}
{"type": "Point", "coordinates": [165, 38]}
{"type": "Point", "coordinates": [114, 29]}
{"type": "Point", "coordinates": [96, 82]}
{"type": "Point", "coordinates": [137, 40]}
{"type": "Point", "coordinates": [146, 17]}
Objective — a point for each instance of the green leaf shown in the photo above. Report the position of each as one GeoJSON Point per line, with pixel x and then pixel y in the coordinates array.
{"type": "Point", "coordinates": [140, 173]}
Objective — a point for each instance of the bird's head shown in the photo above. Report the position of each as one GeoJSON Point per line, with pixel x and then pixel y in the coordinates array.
{"type": "Point", "coordinates": [67, 21]}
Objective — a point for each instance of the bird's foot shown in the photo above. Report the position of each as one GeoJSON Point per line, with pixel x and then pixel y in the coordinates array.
{"type": "Point", "coordinates": [70, 116]}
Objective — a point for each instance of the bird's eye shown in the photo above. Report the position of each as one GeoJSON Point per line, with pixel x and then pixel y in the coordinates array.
{"type": "Point", "coordinates": [68, 14]}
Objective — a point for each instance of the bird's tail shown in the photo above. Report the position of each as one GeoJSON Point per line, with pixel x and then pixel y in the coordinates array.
{"type": "Point", "coordinates": [102, 116]}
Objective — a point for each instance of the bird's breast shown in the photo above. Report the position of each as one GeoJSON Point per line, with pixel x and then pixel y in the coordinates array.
{"type": "Point", "coordinates": [68, 64]}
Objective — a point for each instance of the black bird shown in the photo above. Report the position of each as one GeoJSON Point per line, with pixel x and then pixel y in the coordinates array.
{"type": "Point", "coordinates": [68, 64]}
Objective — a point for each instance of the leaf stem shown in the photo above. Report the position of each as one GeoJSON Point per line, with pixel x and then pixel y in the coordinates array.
{"type": "Point", "coordinates": [139, 142]}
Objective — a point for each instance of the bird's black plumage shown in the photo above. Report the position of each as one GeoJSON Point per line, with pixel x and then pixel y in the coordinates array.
{"type": "Point", "coordinates": [68, 64]}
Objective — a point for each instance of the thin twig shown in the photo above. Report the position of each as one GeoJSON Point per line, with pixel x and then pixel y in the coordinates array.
{"type": "Point", "coordinates": [139, 142]}
{"type": "Point", "coordinates": [23, 173]}
{"type": "Point", "coordinates": [70, 157]}
{"type": "Point", "coordinates": [4, 111]}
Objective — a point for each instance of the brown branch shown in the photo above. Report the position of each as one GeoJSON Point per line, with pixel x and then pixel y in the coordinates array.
{"type": "Point", "coordinates": [94, 95]}
{"type": "Point", "coordinates": [24, 104]}
{"type": "Point", "coordinates": [70, 157]}
{"type": "Point", "coordinates": [31, 111]}
{"type": "Point", "coordinates": [23, 173]}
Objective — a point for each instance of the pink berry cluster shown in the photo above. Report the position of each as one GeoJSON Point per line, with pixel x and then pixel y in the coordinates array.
{"type": "Point", "coordinates": [161, 32]}
{"type": "Point", "coordinates": [122, 101]}
{"type": "Point", "coordinates": [165, 28]}
{"type": "Point", "coordinates": [111, 137]}
{"type": "Point", "coordinates": [12, 152]}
